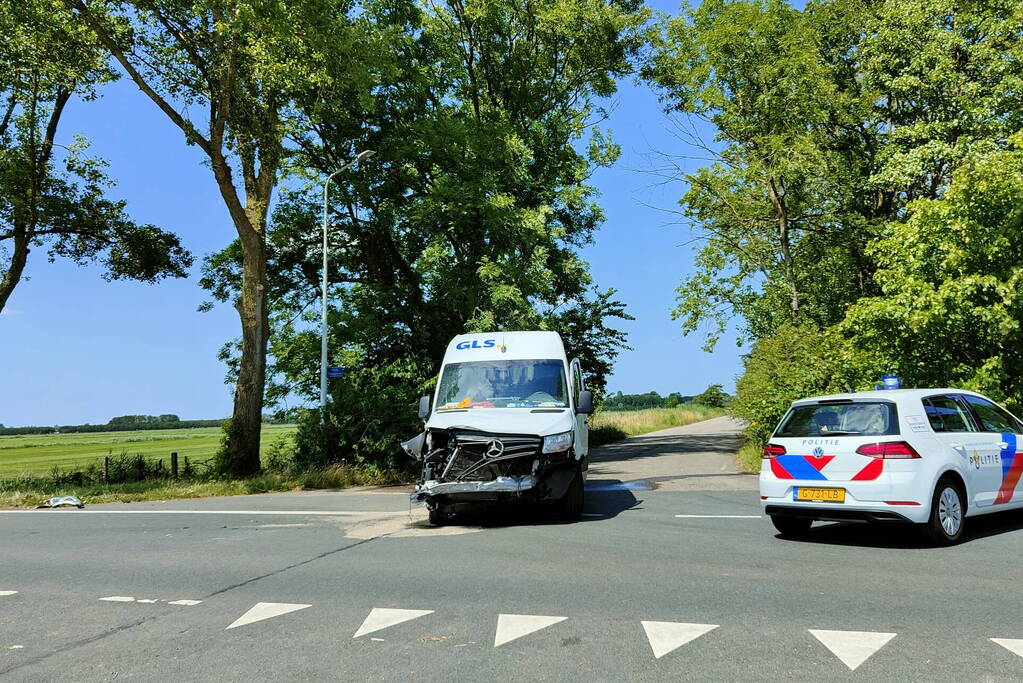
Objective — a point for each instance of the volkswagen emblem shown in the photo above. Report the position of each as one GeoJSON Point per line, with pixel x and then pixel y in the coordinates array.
{"type": "Point", "coordinates": [818, 452]}
{"type": "Point", "coordinates": [495, 448]}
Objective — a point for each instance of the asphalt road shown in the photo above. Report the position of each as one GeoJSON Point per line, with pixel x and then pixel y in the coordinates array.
{"type": "Point", "coordinates": [349, 586]}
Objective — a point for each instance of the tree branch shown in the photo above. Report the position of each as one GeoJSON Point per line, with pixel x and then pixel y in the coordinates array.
{"type": "Point", "coordinates": [191, 134]}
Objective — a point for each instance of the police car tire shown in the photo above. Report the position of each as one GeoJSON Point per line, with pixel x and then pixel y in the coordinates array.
{"type": "Point", "coordinates": [791, 526]}
{"type": "Point", "coordinates": [571, 504]}
{"type": "Point", "coordinates": [933, 527]}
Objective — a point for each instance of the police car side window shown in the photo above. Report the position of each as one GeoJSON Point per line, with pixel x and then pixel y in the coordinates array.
{"type": "Point", "coordinates": [992, 418]}
{"type": "Point", "coordinates": [947, 415]}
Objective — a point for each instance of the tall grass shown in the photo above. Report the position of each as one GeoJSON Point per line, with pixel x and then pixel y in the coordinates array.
{"type": "Point", "coordinates": [609, 426]}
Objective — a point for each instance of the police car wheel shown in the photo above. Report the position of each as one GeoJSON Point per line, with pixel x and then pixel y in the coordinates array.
{"type": "Point", "coordinates": [791, 526]}
{"type": "Point", "coordinates": [947, 513]}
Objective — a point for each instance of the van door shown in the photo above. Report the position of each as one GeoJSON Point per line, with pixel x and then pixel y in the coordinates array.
{"type": "Point", "coordinates": [582, 428]}
{"type": "Point", "coordinates": [1001, 466]}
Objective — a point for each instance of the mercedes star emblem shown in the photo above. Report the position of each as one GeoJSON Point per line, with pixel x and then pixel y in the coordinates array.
{"type": "Point", "coordinates": [495, 448]}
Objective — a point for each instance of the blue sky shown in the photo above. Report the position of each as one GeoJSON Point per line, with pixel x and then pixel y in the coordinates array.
{"type": "Point", "coordinates": [78, 349]}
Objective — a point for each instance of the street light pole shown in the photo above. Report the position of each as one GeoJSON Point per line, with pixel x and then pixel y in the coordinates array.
{"type": "Point", "coordinates": [365, 154]}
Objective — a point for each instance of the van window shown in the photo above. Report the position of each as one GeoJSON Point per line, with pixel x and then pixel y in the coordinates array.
{"type": "Point", "coordinates": [862, 418]}
{"type": "Point", "coordinates": [503, 384]}
{"type": "Point", "coordinates": [946, 414]}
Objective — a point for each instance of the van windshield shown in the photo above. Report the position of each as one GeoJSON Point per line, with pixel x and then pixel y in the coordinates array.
{"type": "Point", "coordinates": [503, 384]}
{"type": "Point", "coordinates": [861, 418]}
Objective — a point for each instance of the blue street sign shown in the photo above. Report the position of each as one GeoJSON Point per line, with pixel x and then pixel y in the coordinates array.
{"type": "Point", "coordinates": [335, 371]}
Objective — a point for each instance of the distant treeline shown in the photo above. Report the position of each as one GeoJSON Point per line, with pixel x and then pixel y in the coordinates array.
{"type": "Point", "coordinates": [128, 423]}
{"type": "Point", "coordinates": [714, 397]}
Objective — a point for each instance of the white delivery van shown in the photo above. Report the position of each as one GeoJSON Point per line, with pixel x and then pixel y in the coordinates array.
{"type": "Point", "coordinates": [507, 421]}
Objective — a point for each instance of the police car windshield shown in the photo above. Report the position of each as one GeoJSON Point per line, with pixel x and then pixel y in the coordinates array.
{"type": "Point", "coordinates": [862, 418]}
{"type": "Point", "coordinates": [503, 384]}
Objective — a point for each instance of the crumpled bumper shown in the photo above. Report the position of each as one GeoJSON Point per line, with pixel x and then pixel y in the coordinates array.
{"type": "Point", "coordinates": [499, 485]}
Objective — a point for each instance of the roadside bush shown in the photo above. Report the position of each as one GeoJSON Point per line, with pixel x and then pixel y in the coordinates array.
{"type": "Point", "coordinates": [795, 362]}
{"type": "Point", "coordinates": [605, 434]}
{"type": "Point", "coordinates": [372, 410]}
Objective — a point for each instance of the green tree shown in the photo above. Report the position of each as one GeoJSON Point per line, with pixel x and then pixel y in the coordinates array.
{"type": "Point", "coordinates": [862, 114]}
{"type": "Point", "coordinates": [226, 74]}
{"type": "Point", "coordinates": [53, 195]}
{"type": "Point", "coordinates": [713, 396]}
{"type": "Point", "coordinates": [472, 213]}
{"type": "Point", "coordinates": [951, 280]}
{"type": "Point", "coordinates": [829, 120]}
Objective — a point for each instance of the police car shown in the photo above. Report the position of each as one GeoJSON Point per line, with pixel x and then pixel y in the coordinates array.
{"type": "Point", "coordinates": [929, 456]}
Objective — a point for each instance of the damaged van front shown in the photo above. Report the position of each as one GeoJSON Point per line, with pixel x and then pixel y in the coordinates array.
{"type": "Point", "coordinates": [506, 422]}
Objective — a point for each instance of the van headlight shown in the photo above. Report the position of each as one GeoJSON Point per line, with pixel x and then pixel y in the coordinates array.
{"type": "Point", "coordinates": [558, 443]}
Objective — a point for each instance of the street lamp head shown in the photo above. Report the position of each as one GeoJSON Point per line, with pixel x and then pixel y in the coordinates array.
{"type": "Point", "coordinates": [365, 154]}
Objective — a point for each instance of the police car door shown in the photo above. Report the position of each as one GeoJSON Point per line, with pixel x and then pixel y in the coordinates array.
{"type": "Point", "coordinates": [1001, 467]}
{"type": "Point", "coordinates": [956, 429]}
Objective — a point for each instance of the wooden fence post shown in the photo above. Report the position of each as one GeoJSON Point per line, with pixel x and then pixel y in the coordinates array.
{"type": "Point", "coordinates": [174, 465]}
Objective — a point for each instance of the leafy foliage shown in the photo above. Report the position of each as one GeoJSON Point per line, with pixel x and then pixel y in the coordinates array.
{"type": "Point", "coordinates": [469, 217]}
{"type": "Point", "coordinates": [53, 196]}
{"type": "Point", "coordinates": [713, 396]}
{"type": "Point", "coordinates": [855, 217]}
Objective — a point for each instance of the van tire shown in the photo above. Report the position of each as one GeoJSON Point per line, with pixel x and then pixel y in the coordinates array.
{"type": "Point", "coordinates": [793, 527]}
{"type": "Point", "coordinates": [947, 506]}
{"type": "Point", "coordinates": [439, 517]}
{"type": "Point", "coordinates": [570, 507]}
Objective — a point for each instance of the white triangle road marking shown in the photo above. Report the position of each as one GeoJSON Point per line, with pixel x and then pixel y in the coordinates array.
{"type": "Point", "coordinates": [513, 626]}
{"type": "Point", "coordinates": [665, 636]}
{"type": "Point", "coordinates": [381, 617]}
{"type": "Point", "coordinates": [3, 593]}
{"type": "Point", "coordinates": [265, 610]}
{"type": "Point", "coordinates": [1013, 645]}
{"type": "Point", "coordinates": [852, 647]}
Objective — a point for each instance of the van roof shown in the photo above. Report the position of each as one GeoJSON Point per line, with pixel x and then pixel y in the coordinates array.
{"type": "Point", "coordinates": [516, 345]}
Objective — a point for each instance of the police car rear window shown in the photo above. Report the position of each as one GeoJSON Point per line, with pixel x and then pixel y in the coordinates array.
{"type": "Point", "coordinates": [862, 418]}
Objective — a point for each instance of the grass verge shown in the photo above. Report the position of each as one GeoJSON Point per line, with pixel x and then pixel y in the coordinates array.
{"type": "Point", "coordinates": [607, 427]}
{"type": "Point", "coordinates": [32, 491]}
{"type": "Point", "coordinates": [748, 457]}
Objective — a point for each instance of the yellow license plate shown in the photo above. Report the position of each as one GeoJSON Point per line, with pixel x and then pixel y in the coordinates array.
{"type": "Point", "coordinates": [818, 495]}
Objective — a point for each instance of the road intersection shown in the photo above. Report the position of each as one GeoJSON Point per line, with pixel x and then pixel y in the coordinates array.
{"type": "Point", "coordinates": [673, 574]}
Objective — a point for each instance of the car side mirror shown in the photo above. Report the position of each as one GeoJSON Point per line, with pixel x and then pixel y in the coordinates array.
{"type": "Point", "coordinates": [584, 406]}
{"type": "Point", "coordinates": [424, 407]}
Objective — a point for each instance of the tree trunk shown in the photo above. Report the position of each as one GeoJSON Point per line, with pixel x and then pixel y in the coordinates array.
{"type": "Point", "coordinates": [785, 243]}
{"type": "Point", "coordinates": [17, 267]}
{"type": "Point", "coordinates": [246, 421]}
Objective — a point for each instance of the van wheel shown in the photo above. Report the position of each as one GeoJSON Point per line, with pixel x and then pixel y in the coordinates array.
{"type": "Point", "coordinates": [571, 504]}
{"type": "Point", "coordinates": [439, 517]}
{"type": "Point", "coordinates": [791, 526]}
{"type": "Point", "coordinates": [948, 514]}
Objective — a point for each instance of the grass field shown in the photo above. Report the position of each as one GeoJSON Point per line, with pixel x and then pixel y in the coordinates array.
{"type": "Point", "coordinates": [606, 427]}
{"type": "Point", "coordinates": [39, 453]}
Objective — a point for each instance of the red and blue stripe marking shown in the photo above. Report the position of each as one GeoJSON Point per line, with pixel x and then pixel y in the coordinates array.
{"type": "Point", "coordinates": [1012, 468]}
{"type": "Point", "coordinates": [808, 468]}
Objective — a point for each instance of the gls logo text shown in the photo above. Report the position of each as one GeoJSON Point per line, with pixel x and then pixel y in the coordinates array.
{"type": "Point", "coordinates": [476, 344]}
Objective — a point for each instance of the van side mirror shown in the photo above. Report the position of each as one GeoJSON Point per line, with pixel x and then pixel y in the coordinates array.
{"type": "Point", "coordinates": [584, 406]}
{"type": "Point", "coordinates": [424, 407]}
